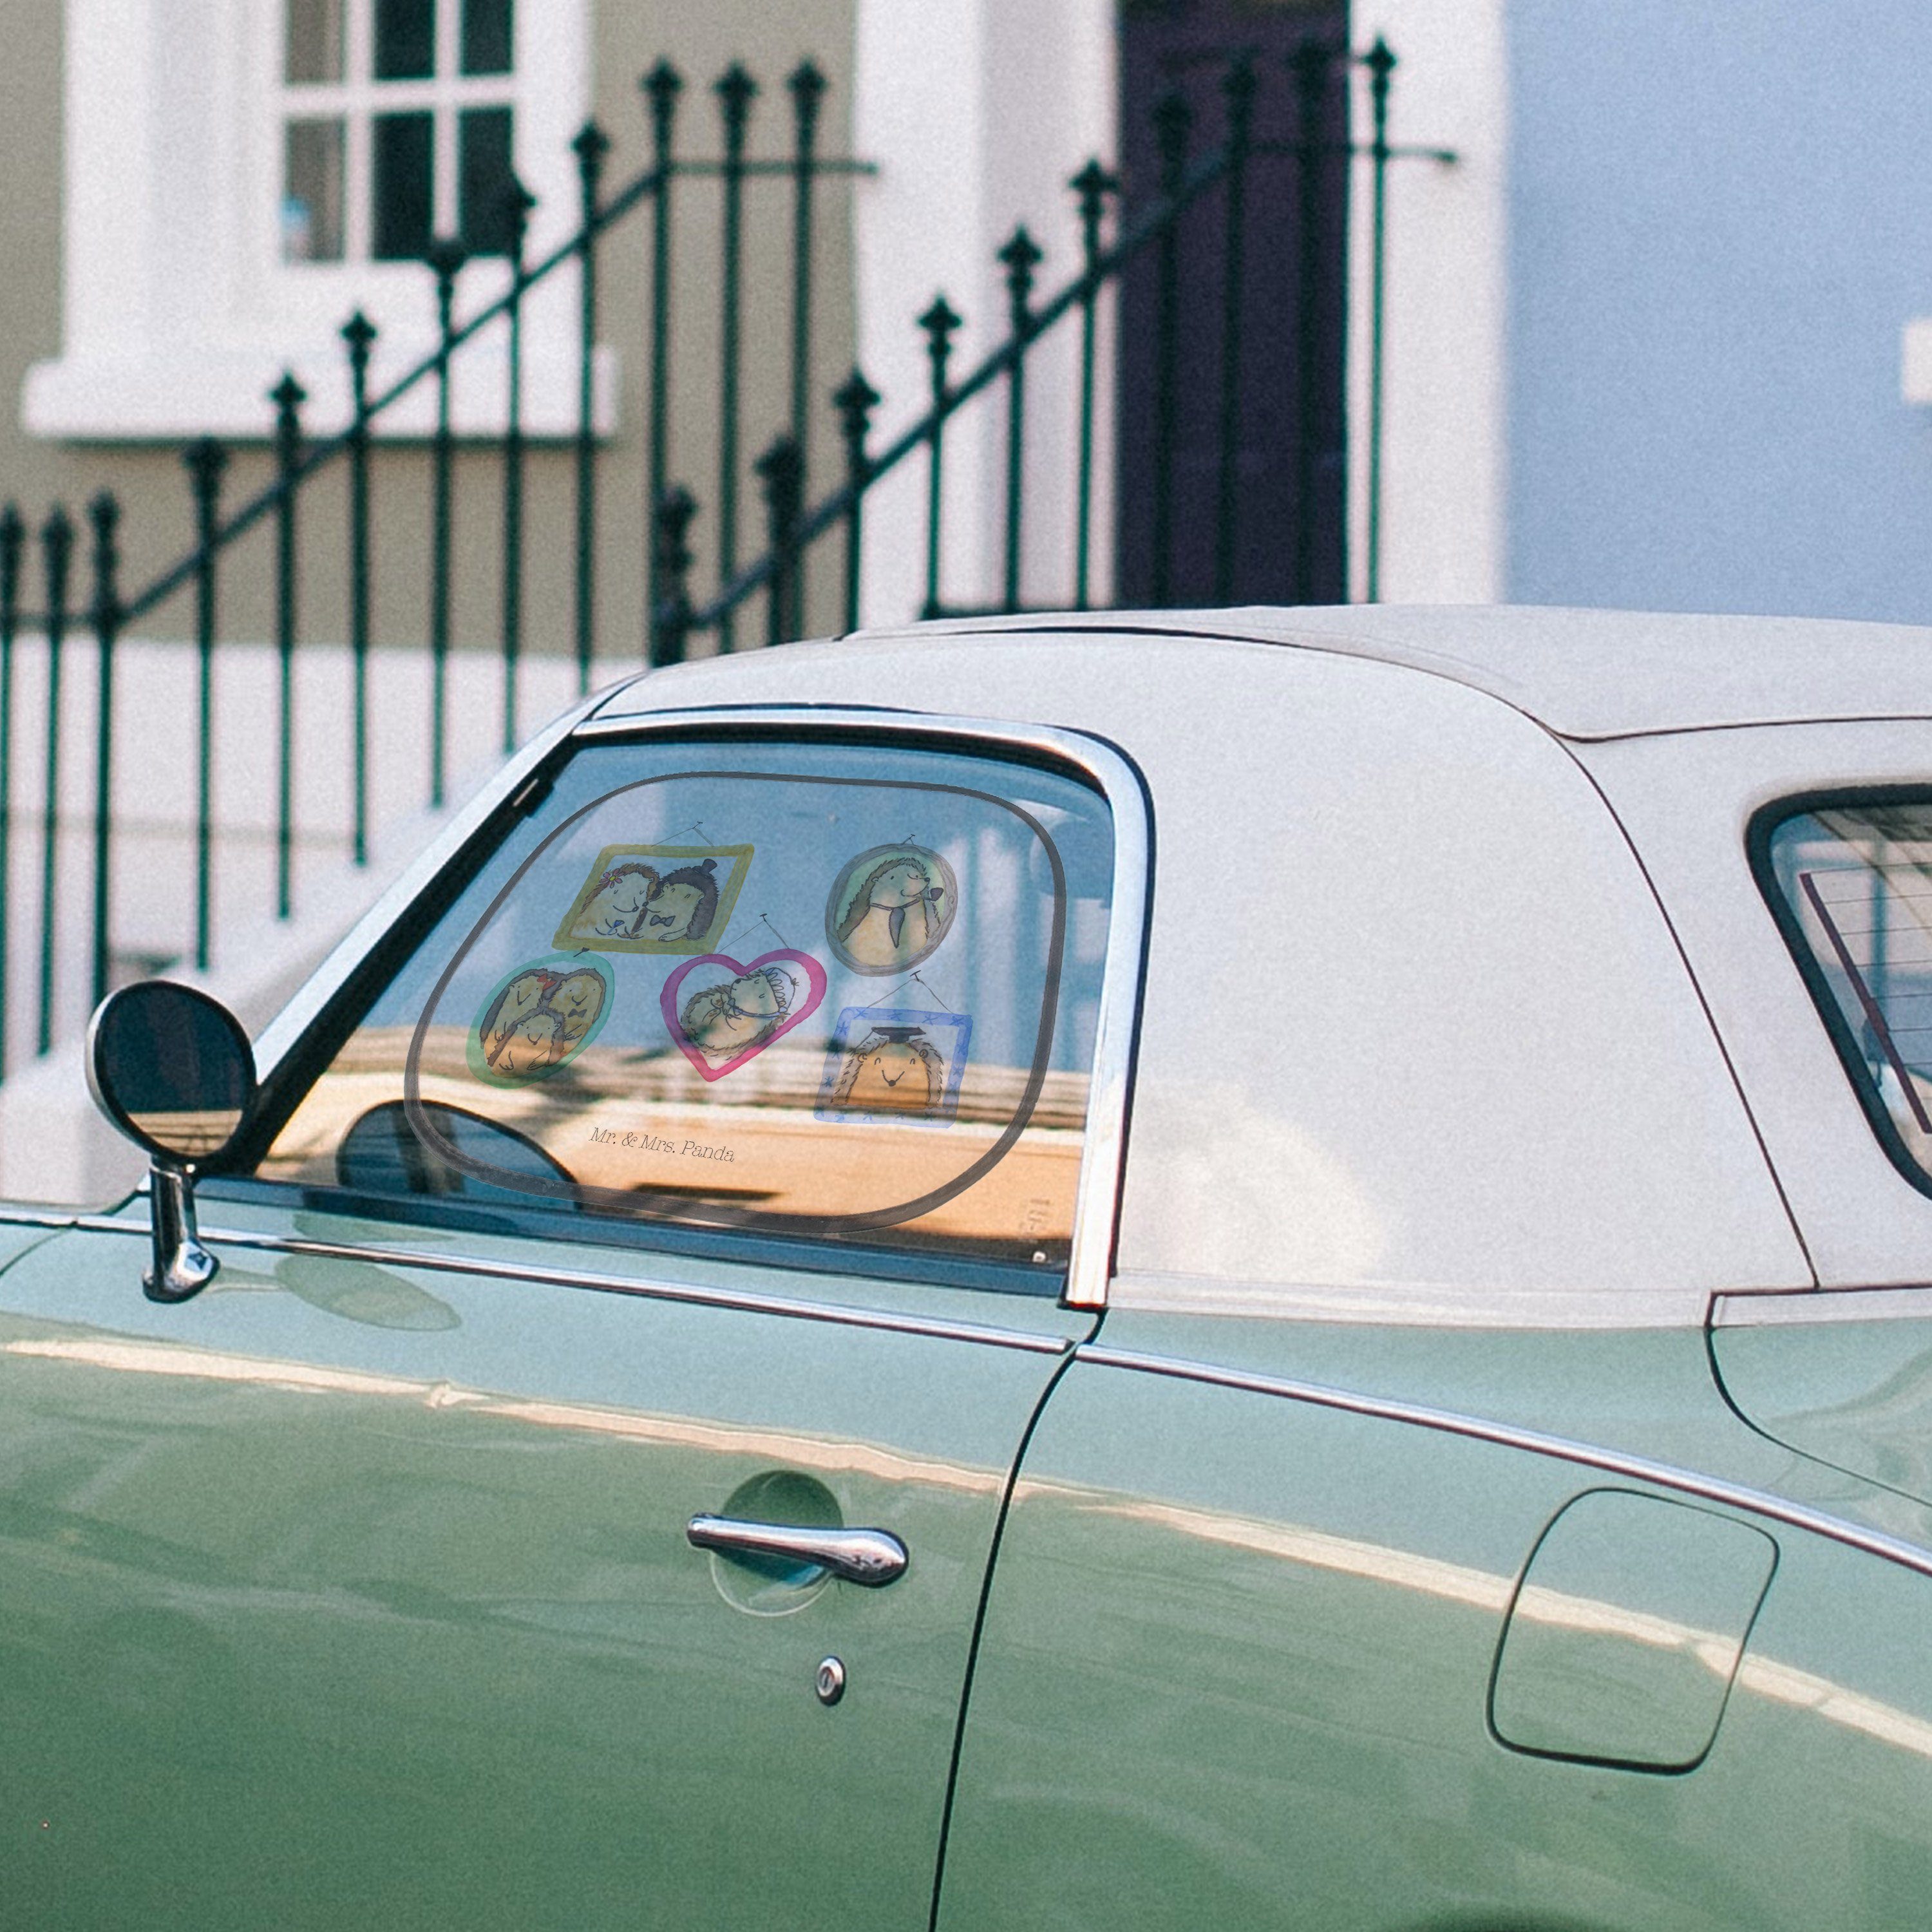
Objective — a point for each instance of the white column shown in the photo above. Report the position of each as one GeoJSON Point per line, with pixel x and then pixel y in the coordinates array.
{"type": "Point", "coordinates": [1445, 443]}
{"type": "Point", "coordinates": [113, 176]}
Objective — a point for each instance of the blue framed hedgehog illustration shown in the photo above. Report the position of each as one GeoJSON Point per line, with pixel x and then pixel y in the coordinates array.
{"type": "Point", "coordinates": [896, 1064]}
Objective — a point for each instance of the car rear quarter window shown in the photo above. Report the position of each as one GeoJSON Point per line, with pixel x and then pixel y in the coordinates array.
{"type": "Point", "coordinates": [1851, 882]}
{"type": "Point", "coordinates": [845, 991]}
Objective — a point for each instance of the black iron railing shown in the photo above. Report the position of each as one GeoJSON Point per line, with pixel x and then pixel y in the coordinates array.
{"type": "Point", "coordinates": [676, 615]}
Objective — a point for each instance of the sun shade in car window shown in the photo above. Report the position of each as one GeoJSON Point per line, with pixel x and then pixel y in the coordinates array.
{"type": "Point", "coordinates": [847, 992]}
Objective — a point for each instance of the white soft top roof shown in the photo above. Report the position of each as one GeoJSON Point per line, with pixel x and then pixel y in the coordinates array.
{"type": "Point", "coordinates": [1416, 1040]}
{"type": "Point", "coordinates": [1584, 673]}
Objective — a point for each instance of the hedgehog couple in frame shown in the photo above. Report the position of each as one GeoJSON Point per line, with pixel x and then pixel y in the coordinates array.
{"type": "Point", "coordinates": [538, 1020]}
{"type": "Point", "coordinates": [640, 903]}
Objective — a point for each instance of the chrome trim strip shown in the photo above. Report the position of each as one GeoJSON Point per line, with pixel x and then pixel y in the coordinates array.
{"type": "Point", "coordinates": [1409, 1304]}
{"type": "Point", "coordinates": [1096, 1194]}
{"type": "Point", "coordinates": [871, 1557]}
{"type": "Point", "coordinates": [745, 1301]}
{"type": "Point", "coordinates": [1508, 1435]}
{"type": "Point", "coordinates": [38, 1217]}
{"type": "Point", "coordinates": [1771, 1309]}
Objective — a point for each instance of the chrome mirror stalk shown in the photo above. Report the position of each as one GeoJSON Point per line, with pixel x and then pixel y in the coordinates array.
{"type": "Point", "coordinates": [182, 1266]}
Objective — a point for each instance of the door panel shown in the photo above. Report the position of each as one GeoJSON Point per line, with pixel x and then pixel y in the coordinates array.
{"type": "Point", "coordinates": [1287, 540]}
{"type": "Point", "coordinates": [1236, 1669]}
{"type": "Point", "coordinates": [359, 1593]}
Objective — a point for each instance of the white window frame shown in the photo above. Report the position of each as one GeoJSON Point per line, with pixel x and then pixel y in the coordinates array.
{"type": "Point", "coordinates": [358, 98]}
{"type": "Point", "coordinates": [178, 313]}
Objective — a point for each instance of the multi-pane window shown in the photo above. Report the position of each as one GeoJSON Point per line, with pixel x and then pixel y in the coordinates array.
{"type": "Point", "coordinates": [397, 126]}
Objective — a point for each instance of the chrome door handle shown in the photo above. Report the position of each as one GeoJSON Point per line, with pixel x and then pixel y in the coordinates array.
{"type": "Point", "coordinates": [872, 1557]}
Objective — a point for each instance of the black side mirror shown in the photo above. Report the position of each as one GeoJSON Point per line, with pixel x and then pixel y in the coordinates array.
{"type": "Point", "coordinates": [173, 1070]}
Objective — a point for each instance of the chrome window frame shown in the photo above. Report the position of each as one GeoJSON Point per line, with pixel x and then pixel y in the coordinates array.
{"type": "Point", "coordinates": [1759, 833]}
{"type": "Point", "coordinates": [1104, 767]}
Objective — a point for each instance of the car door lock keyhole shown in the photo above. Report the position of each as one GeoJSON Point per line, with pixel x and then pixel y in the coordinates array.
{"type": "Point", "coordinates": [830, 1680]}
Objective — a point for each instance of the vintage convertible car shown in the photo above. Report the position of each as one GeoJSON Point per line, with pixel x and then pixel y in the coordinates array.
{"type": "Point", "coordinates": [1248, 1270]}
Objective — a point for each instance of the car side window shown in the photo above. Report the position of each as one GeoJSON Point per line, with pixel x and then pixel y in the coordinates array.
{"type": "Point", "coordinates": [1851, 882]}
{"type": "Point", "coordinates": [845, 991]}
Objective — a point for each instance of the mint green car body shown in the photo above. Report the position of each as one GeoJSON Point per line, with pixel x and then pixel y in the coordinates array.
{"type": "Point", "coordinates": [1348, 1591]}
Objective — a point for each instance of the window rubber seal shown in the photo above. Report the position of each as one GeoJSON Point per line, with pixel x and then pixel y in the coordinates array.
{"type": "Point", "coordinates": [1759, 831]}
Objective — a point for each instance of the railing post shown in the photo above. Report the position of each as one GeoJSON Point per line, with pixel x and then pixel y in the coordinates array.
{"type": "Point", "coordinates": [661, 87]}
{"type": "Point", "coordinates": [518, 201]}
{"type": "Point", "coordinates": [1309, 63]}
{"type": "Point", "coordinates": [206, 460]}
{"type": "Point", "coordinates": [781, 470]}
{"type": "Point", "coordinates": [1240, 88]}
{"type": "Point", "coordinates": [939, 322]}
{"type": "Point", "coordinates": [13, 543]}
{"type": "Point", "coordinates": [288, 396]}
{"type": "Point", "coordinates": [591, 146]}
{"type": "Point", "coordinates": [670, 620]}
{"type": "Point", "coordinates": [446, 258]}
{"type": "Point", "coordinates": [807, 85]}
{"type": "Point", "coordinates": [103, 513]}
{"type": "Point", "coordinates": [1092, 184]}
{"type": "Point", "coordinates": [1380, 63]}
{"type": "Point", "coordinates": [1172, 120]}
{"type": "Point", "coordinates": [855, 400]}
{"type": "Point", "coordinates": [359, 333]}
{"type": "Point", "coordinates": [735, 91]}
{"type": "Point", "coordinates": [1021, 256]}
{"type": "Point", "coordinates": [56, 554]}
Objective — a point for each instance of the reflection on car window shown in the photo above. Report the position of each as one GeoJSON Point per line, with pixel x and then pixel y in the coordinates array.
{"type": "Point", "coordinates": [1855, 881]}
{"type": "Point", "coordinates": [846, 991]}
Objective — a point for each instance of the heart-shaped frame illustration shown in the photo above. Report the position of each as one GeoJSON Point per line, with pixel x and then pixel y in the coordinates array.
{"type": "Point", "coordinates": [723, 1025]}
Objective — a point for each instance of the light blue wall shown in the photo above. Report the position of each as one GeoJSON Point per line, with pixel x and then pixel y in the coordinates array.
{"type": "Point", "coordinates": [1721, 213]}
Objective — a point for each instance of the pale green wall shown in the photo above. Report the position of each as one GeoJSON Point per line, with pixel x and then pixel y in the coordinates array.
{"type": "Point", "coordinates": [701, 39]}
